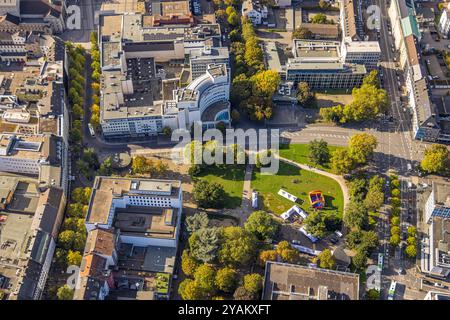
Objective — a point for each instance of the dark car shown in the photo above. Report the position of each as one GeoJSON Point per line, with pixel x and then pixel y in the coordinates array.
{"type": "Point", "coordinates": [334, 240]}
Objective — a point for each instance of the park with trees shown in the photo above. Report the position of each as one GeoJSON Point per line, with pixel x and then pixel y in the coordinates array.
{"type": "Point", "coordinates": [366, 198]}
{"type": "Point", "coordinates": [217, 261]}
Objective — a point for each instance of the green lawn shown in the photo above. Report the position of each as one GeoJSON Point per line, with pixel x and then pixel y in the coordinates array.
{"type": "Point", "coordinates": [162, 283]}
{"type": "Point", "coordinates": [232, 179]}
{"type": "Point", "coordinates": [297, 182]}
{"type": "Point", "coordinates": [300, 154]}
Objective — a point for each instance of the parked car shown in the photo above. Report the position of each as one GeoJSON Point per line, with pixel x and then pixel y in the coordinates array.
{"type": "Point", "coordinates": [297, 242]}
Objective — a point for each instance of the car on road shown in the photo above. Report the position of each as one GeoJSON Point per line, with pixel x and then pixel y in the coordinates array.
{"type": "Point", "coordinates": [297, 242]}
{"type": "Point", "coordinates": [334, 240]}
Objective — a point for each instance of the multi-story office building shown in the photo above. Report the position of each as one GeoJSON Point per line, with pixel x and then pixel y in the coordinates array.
{"type": "Point", "coordinates": [435, 245]}
{"type": "Point", "coordinates": [39, 155]}
{"type": "Point", "coordinates": [137, 99]}
{"type": "Point", "coordinates": [133, 229]}
{"type": "Point", "coordinates": [205, 99]}
{"type": "Point", "coordinates": [321, 64]}
{"type": "Point", "coordinates": [367, 53]}
{"type": "Point", "coordinates": [200, 59]}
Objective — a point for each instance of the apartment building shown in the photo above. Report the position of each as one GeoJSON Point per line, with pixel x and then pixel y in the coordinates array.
{"type": "Point", "coordinates": [254, 11]}
{"type": "Point", "coordinates": [29, 224]}
{"type": "Point", "coordinates": [425, 121]}
{"type": "Point", "coordinates": [435, 246]}
{"type": "Point", "coordinates": [351, 20]}
{"type": "Point", "coordinates": [31, 15]}
{"type": "Point", "coordinates": [438, 255]}
{"type": "Point", "coordinates": [438, 203]}
{"type": "Point", "coordinates": [444, 22]}
{"type": "Point", "coordinates": [133, 229]}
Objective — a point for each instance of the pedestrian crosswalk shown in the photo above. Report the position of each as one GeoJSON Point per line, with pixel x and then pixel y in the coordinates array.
{"type": "Point", "coordinates": [310, 135]}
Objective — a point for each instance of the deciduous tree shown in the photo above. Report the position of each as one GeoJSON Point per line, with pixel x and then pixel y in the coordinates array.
{"type": "Point", "coordinates": [436, 159]}
{"type": "Point", "coordinates": [253, 283]}
{"type": "Point", "coordinates": [319, 152]}
{"type": "Point", "coordinates": [341, 161]}
{"type": "Point", "coordinates": [227, 279]}
{"type": "Point", "coordinates": [326, 259]}
{"type": "Point", "coordinates": [361, 147]}
{"type": "Point", "coordinates": [238, 247]}
{"type": "Point", "coordinates": [302, 33]}
{"type": "Point", "coordinates": [262, 225]}
{"type": "Point", "coordinates": [65, 293]}
{"type": "Point", "coordinates": [188, 264]}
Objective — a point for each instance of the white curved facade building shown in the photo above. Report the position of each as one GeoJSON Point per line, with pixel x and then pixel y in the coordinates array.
{"type": "Point", "coordinates": [205, 99]}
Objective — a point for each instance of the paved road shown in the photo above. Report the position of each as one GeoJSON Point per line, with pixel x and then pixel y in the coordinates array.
{"type": "Point", "coordinates": [82, 36]}
{"type": "Point", "coordinates": [405, 150]}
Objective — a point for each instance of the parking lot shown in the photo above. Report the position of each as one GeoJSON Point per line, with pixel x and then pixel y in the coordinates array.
{"type": "Point", "coordinates": [434, 67]}
{"type": "Point", "coordinates": [430, 40]}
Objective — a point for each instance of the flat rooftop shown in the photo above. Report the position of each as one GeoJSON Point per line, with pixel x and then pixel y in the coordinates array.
{"type": "Point", "coordinates": [111, 27]}
{"type": "Point", "coordinates": [146, 221]}
{"type": "Point", "coordinates": [363, 46]}
{"type": "Point", "coordinates": [442, 193]}
{"type": "Point", "coordinates": [316, 49]}
{"type": "Point", "coordinates": [294, 282]}
{"type": "Point", "coordinates": [33, 147]}
{"type": "Point", "coordinates": [272, 56]}
{"type": "Point", "coordinates": [325, 67]}
{"type": "Point", "coordinates": [105, 189]}
{"type": "Point", "coordinates": [175, 8]}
